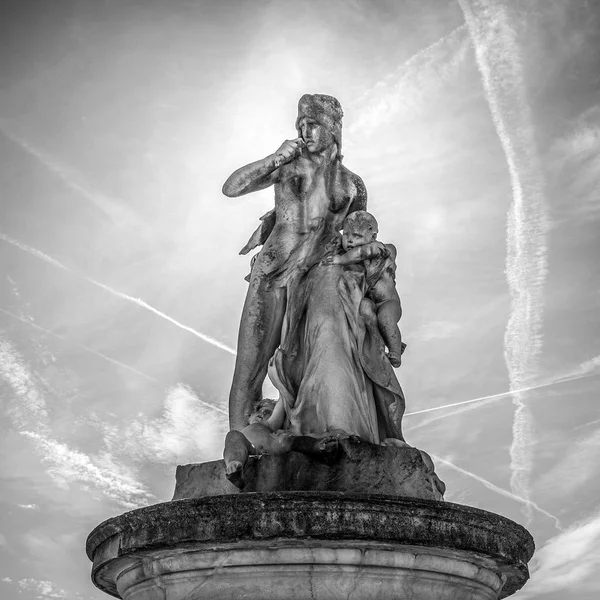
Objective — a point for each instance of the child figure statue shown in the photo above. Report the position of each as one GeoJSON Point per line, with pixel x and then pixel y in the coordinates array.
{"type": "Point", "coordinates": [359, 241]}
{"type": "Point", "coordinates": [263, 435]}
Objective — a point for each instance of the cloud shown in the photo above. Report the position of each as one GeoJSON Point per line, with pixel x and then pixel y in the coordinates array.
{"type": "Point", "coordinates": [498, 54]}
{"type": "Point", "coordinates": [573, 164]}
{"type": "Point", "coordinates": [27, 410]}
{"type": "Point", "coordinates": [578, 467]}
{"type": "Point", "coordinates": [407, 89]}
{"type": "Point", "coordinates": [42, 589]}
{"type": "Point", "coordinates": [29, 506]}
{"type": "Point", "coordinates": [185, 432]}
{"type": "Point", "coordinates": [67, 466]}
{"type": "Point", "coordinates": [569, 562]}
{"type": "Point", "coordinates": [435, 330]}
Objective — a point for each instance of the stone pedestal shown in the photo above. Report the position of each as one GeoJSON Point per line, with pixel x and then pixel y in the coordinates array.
{"type": "Point", "coordinates": [309, 546]}
{"type": "Point", "coordinates": [358, 468]}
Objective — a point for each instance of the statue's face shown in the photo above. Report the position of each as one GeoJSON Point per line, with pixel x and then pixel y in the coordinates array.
{"type": "Point", "coordinates": [261, 415]}
{"type": "Point", "coordinates": [316, 137]}
{"type": "Point", "coordinates": [353, 237]}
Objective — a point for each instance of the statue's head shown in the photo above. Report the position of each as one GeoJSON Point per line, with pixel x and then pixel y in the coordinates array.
{"type": "Point", "coordinates": [360, 227]}
{"type": "Point", "coordinates": [319, 122]}
{"type": "Point", "coordinates": [263, 409]}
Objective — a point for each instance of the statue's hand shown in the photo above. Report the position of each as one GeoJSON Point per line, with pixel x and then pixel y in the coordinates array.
{"type": "Point", "coordinates": [395, 359]}
{"type": "Point", "coordinates": [289, 150]}
{"type": "Point", "coordinates": [327, 261]}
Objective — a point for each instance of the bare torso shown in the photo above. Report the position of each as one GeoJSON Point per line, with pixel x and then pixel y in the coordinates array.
{"type": "Point", "coordinates": [306, 194]}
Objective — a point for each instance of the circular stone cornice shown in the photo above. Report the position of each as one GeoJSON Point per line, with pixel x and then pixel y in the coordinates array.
{"type": "Point", "coordinates": [331, 516]}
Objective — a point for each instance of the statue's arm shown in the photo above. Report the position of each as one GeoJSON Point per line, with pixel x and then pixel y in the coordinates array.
{"type": "Point", "coordinates": [262, 173]}
{"type": "Point", "coordinates": [351, 257]}
{"type": "Point", "coordinates": [358, 254]}
{"type": "Point", "coordinates": [253, 177]}
{"type": "Point", "coordinates": [275, 421]}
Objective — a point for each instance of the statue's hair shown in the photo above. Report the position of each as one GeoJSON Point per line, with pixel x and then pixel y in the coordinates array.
{"type": "Point", "coordinates": [361, 219]}
{"type": "Point", "coordinates": [264, 402]}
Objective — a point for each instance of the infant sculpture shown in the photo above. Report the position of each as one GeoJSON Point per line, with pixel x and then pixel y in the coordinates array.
{"type": "Point", "coordinates": [321, 307]}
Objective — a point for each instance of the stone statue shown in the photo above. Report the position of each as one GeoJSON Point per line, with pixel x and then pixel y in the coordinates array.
{"type": "Point", "coordinates": [331, 368]}
{"type": "Point", "coordinates": [263, 435]}
{"type": "Point", "coordinates": [314, 192]}
{"type": "Point", "coordinates": [321, 307]}
{"type": "Point", "coordinates": [359, 243]}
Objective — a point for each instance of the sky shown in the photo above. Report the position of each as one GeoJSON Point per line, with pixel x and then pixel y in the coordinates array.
{"type": "Point", "coordinates": [475, 125]}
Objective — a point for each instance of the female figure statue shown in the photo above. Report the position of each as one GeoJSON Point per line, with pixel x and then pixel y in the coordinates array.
{"type": "Point", "coordinates": [313, 194]}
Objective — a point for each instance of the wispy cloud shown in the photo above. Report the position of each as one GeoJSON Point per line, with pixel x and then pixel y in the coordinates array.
{"type": "Point", "coordinates": [406, 88]}
{"type": "Point", "coordinates": [115, 209]}
{"type": "Point", "coordinates": [568, 563]}
{"type": "Point", "coordinates": [575, 467]}
{"type": "Point", "coordinates": [29, 506]}
{"type": "Point", "coordinates": [25, 404]}
{"type": "Point", "coordinates": [435, 330]}
{"type": "Point", "coordinates": [141, 303]}
{"type": "Point", "coordinates": [67, 466]}
{"type": "Point", "coordinates": [26, 407]}
{"type": "Point", "coordinates": [498, 54]}
{"type": "Point", "coordinates": [573, 164]}
{"type": "Point", "coordinates": [525, 501]}
{"type": "Point", "coordinates": [42, 588]}
{"type": "Point", "coordinates": [185, 432]}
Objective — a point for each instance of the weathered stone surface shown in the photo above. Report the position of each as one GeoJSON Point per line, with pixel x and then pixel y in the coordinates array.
{"type": "Point", "coordinates": [322, 546]}
{"type": "Point", "coordinates": [360, 467]}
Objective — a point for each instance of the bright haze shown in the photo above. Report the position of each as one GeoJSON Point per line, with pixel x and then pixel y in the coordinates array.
{"type": "Point", "coordinates": [475, 125]}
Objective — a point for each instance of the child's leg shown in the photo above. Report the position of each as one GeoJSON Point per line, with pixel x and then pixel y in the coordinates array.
{"type": "Point", "coordinates": [236, 452]}
{"type": "Point", "coordinates": [388, 315]}
{"type": "Point", "coordinates": [312, 445]}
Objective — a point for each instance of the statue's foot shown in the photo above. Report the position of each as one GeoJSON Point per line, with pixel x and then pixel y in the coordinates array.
{"type": "Point", "coordinates": [394, 358]}
{"type": "Point", "coordinates": [327, 445]}
{"type": "Point", "coordinates": [233, 471]}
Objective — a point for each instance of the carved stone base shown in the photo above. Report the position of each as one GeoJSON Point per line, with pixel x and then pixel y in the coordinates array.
{"type": "Point", "coordinates": [309, 546]}
{"type": "Point", "coordinates": [358, 468]}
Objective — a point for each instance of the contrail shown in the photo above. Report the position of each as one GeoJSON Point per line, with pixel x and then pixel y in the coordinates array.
{"type": "Point", "coordinates": [501, 394]}
{"type": "Point", "coordinates": [100, 355]}
{"type": "Point", "coordinates": [78, 345]}
{"type": "Point", "coordinates": [118, 294]}
{"type": "Point", "coordinates": [499, 61]}
{"type": "Point", "coordinates": [488, 484]}
{"type": "Point", "coordinates": [115, 210]}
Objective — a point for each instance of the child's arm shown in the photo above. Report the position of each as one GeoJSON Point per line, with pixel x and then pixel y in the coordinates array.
{"type": "Point", "coordinates": [275, 421]}
{"type": "Point", "coordinates": [358, 254]}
